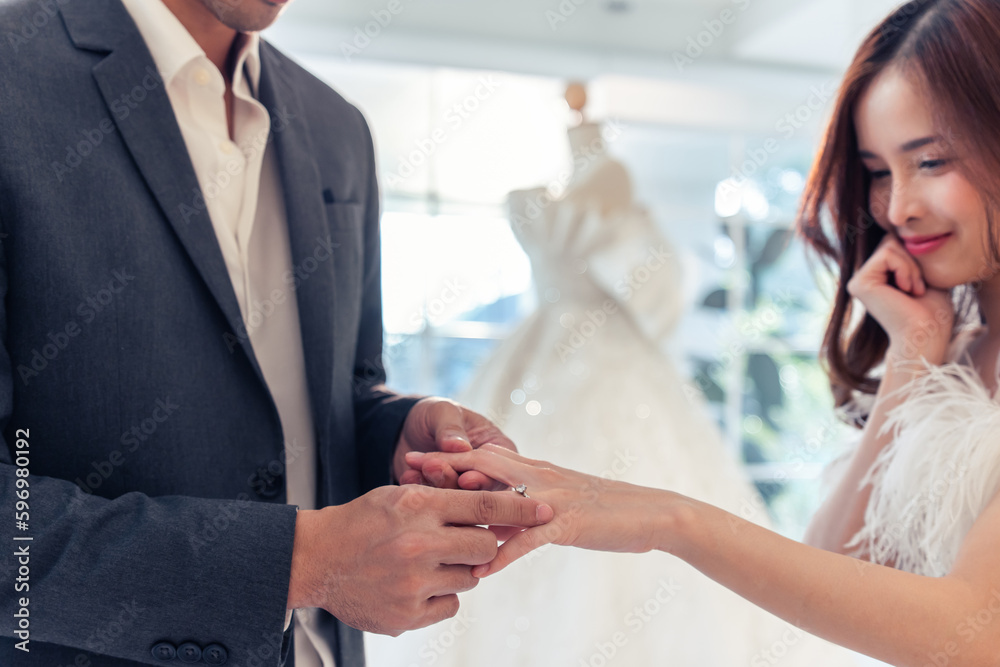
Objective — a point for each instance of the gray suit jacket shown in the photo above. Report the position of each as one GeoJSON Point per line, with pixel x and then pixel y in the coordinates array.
{"type": "Point", "coordinates": [128, 388]}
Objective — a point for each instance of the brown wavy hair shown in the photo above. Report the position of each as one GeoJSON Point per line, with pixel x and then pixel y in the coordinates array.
{"type": "Point", "coordinates": [950, 49]}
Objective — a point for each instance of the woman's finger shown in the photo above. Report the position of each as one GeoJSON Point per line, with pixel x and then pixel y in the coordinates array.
{"type": "Point", "coordinates": [440, 474]}
{"type": "Point", "coordinates": [504, 533]}
{"type": "Point", "coordinates": [473, 480]}
{"type": "Point", "coordinates": [506, 452]}
{"type": "Point", "coordinates": [412, 477]}
{"type": "Point", "coordinates": [904, 261]}
{"type": "Point", "coordinates": [485, 460]}
{"type": "Point", "coordinates": [517, 546]}
{"type": "Point", "coordinates": [900, 270]}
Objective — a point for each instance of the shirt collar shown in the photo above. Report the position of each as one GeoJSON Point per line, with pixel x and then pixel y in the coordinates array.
{"type": "Point", "coordinates": [173, 47]}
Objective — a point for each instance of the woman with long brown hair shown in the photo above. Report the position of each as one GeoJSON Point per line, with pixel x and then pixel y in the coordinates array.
{"type": "Point", "coordinates": [902, 560]}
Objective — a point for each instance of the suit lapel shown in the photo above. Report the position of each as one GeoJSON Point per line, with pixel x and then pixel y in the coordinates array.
{"type": "Point", "coordinates": [154, 139]}
{"type": "Point", "coordinates": [307, 227]}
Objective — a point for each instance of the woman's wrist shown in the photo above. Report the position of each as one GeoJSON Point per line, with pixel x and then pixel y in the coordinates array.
{"type": "Point", "coordinates": [674, 521]}
{"type": "Point", "coordinates": [916, 346]}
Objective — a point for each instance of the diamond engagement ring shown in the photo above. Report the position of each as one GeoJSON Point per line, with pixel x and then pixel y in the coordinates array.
{"type": "Point", "coordinates": [522, 489]}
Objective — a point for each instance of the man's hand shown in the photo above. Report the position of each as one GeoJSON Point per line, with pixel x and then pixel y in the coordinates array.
{"type": "Point", "coordinates": [395, 558]}
{"type": "Point", "coordinates": [437, 424]}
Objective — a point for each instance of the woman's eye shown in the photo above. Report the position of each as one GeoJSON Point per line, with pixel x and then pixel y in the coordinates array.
{"type": "Point", "coordinates": [877, 174]}
{"type": "Point", "coordinates": [932, 164]}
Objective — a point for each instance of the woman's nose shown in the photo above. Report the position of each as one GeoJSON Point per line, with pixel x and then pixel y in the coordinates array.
{"type": "Point", "coordinates": [904, 203]}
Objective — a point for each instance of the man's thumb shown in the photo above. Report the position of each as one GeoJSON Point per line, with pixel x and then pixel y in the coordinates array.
{"type": "Point", "coordinates": [450, 432]}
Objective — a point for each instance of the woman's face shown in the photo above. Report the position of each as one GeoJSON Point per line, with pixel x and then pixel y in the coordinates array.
{"type": "Point", "coordinates": [918, 193]}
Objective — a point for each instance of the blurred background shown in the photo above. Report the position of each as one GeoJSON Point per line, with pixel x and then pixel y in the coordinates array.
{"type": "Point", "coordinates": [716, 108]}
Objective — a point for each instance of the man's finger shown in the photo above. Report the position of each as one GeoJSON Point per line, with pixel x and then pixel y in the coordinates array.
{"type": "Point", "coordinates": [438, 609]}
{"type": "Point", "coordinates": [467, 546]}
{"type": "Point", "coordinates": [490, 508]}
{"type": "Point", "coordinates": [477, 481]}
{"type": "Point", "coordinates": [450, 579]}
{"type": "Point", "coordinates": [449, 428]}
{"type": "Point", "coordinates": [521, 544]}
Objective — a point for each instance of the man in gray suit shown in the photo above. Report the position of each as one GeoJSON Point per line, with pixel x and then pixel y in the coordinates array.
{"type": "Point", "coordinates": [197, 438]}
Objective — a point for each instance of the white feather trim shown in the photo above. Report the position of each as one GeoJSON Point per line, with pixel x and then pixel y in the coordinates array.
{"type": "Point", "coordinates": [938, 474]}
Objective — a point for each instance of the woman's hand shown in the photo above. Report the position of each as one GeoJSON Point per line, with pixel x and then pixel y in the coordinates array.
{"type": "Point", "coordinates": [590, 512]}
{"type": "Point", "coordinates": [917, 318]}
{"type": "Point", "coordinates": [438, 424]}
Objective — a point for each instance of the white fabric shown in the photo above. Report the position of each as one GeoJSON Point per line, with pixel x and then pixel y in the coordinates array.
{"type": "Point", "coordinates": [589, 389]}
{"type": "Point", "coordinates": [242, 190]}
{"type": "Point", "coordinates": [938, 474]}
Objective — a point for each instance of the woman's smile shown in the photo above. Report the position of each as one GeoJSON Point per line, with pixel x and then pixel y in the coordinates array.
{"type": "Point", "coordinates": [922, 245]}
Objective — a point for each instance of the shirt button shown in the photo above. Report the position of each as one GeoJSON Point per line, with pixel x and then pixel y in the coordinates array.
{"type": "Point", "coordinates": [226, 147]}
{"type": "Point", "coordinates": [202, 77]}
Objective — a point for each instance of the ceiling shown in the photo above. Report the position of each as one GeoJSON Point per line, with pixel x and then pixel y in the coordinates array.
{"type": "Point", "coordinates": [762, 61]}
{"type": "Point", "coordinates": [586, 37]}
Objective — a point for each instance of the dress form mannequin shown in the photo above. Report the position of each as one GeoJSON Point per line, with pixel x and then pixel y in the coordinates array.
{"type": "Point", "coordinates": [596, 176]}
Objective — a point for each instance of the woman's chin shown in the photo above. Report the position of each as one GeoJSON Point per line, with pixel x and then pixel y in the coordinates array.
{"type": "Point", "coordinates": [946, 281]}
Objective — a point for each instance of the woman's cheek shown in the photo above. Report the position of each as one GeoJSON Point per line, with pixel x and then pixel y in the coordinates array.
{"type": "Point", "coordinates": [955, 199]}
{"type": "Point", "coordinates": [878, 202]}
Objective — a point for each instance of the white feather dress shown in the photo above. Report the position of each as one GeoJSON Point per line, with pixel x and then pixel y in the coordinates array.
{"type": "Point", "coordinates": [939, 473]}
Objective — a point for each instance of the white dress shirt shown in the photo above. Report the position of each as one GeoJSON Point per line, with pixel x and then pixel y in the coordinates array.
{"type": "Point", "coordinates": [242, 189]}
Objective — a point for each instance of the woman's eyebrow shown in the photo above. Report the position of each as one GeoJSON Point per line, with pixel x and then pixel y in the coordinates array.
{"type": "Point", "coordinates": [905, 148]}
{"type": "Point", "coordinates": [917, 143]}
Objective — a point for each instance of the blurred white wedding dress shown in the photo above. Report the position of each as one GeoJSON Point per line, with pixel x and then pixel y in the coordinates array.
{"type": "Point", "coordinates": [583, 383]}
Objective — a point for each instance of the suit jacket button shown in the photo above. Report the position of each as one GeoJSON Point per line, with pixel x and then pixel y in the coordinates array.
{"type": "Point", "coordinates": [164, 651]}
{"type": "Point", "coordinates": [215, 654]}
{"type": "Point", "coordinates": [189, 652]}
